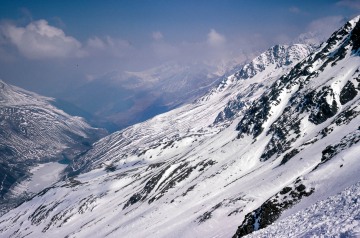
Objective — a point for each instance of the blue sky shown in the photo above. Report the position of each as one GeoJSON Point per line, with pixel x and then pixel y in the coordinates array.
{"type": "Point", "coordinates": [178, 19]}
{"type": "Point", "coordinates": [41, 42]}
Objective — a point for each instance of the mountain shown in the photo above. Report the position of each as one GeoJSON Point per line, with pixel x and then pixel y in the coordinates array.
{"type": "Point", "coordinates": [309, 120]}
{"type": "Point", "coordinates": [268, 142]}
{"type": "Point", "coordinates": [205, 113]}
{"type": "Point", "coordinates": [164, 142]}
{"type": "Point", "coordinates": [126, 98]}
{"type": "Point", "coordinates": [32, 131]}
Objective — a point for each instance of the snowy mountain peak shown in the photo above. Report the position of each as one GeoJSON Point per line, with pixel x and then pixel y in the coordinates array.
{"type": "Point", "coordinates": [12, 95]}
{"type": "Point", "coordinates": [334, 50]}
{"type": "Point", "coordinates": [355, 34]}
{"type": "Point", "coordinates": [266, 67]}
{"type": "Point", "coordinates": [258, 75]}
{"type": "Point", "coordinates": [278, 55]}
{"type": "Point", "coordinates": [348, 34]}
{"type": "Point", "coordinates": [355, 20]}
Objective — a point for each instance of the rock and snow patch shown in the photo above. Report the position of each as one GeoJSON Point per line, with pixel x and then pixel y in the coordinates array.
{"type": "Point", "coordinates": [336, 216]}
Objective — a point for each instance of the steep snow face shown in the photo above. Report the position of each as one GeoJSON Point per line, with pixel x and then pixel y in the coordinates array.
{"type": "Point", "coordinates": [187, 173]}
{"type": "Point", "coordinates": [33, 131]}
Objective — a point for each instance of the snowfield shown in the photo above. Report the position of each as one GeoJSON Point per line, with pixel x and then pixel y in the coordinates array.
{"type": "Point", "coordinates": [42, 176]}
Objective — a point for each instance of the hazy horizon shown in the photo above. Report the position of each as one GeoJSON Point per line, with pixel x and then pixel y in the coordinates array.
{"type": "Point", "coordinates": [49, 47]}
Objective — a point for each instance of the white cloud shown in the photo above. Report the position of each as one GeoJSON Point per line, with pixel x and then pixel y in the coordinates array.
{"type": "Point", "coordinates": [350, 3]}
{"type": "Point", "coordinates": [96, 42]}
{"type": "Point", "coordinates": [39, 40]}
{"type": "Point", "coordinates": [117, 43]}
{"type": "Point", "coordinates": [107, 46]}
{"type": "Point", "coordinates": [215, 39]}
{"type": "Point", "coordinates": [157, 35]}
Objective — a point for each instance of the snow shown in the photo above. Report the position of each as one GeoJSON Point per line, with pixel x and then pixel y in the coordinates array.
{"type": "Point", "coordinates": [43, 175]}
{"type": "Point", "coordinates": [336, 216]}
{"type": "Point", "coordinates": [45, 130]}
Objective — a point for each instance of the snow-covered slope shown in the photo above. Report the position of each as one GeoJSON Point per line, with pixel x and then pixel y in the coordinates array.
{"type": "Point", "coordinates": [309, 122]}
{"type": "Point", "coordinates": [33, 131]}
{"type": "Point", "coordinates": [201, 118]}
{"type": "Point", "coordinates": [268, 141]}
{"type": "Point", "coordinates": [336, 216]}
{"type": "Point", "coordinates": [170, 147]}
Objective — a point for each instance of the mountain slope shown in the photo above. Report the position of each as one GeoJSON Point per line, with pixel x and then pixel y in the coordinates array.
{"type": "Point", "coordinates": [310, 116]}
{"type": "Point", "coordinates": [32, 131]}
{"type": "Point", "coordinates": [202, 117]}
{"type": "Point", "coordinates": [267, 142]}
{"type": "Point", "coordinates": [157, 165]}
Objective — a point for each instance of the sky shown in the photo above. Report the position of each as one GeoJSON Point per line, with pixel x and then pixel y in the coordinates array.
{"type": "Point", "coordinates": [52, 46]}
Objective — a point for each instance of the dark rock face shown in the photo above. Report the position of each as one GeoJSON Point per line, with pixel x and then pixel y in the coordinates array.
{"type": "Point", "coordinates": [346, 116]}
{"type": "Point", "coordinates": [256, 116]}
{"type": "Point", "coordinates": [355, 37]}
{"type": "Point", "coordinates": [9, 174]}
{"type": "Point", "coordinates": [346, 142]}
{"type": "Point", "coordinates": [321, 110]}
{"type": "Point", "coordinates": [230, 111]}
{"type": "Point", "coordinates": [271, 210]}
{"type": "Point", "coordinates": [207, 215]}
{"type": "Point", "coordinates": [348, 92]}
{"type": "Point", "coordinates": [149, 186]}
{"type": "Point", "coordinates": [182, 171]}
{"type": "Point", "coordinates": [288, 156]}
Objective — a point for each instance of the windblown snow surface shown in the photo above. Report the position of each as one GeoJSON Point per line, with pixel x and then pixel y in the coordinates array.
{"type": "Point", "coordinates": [267, 142]}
